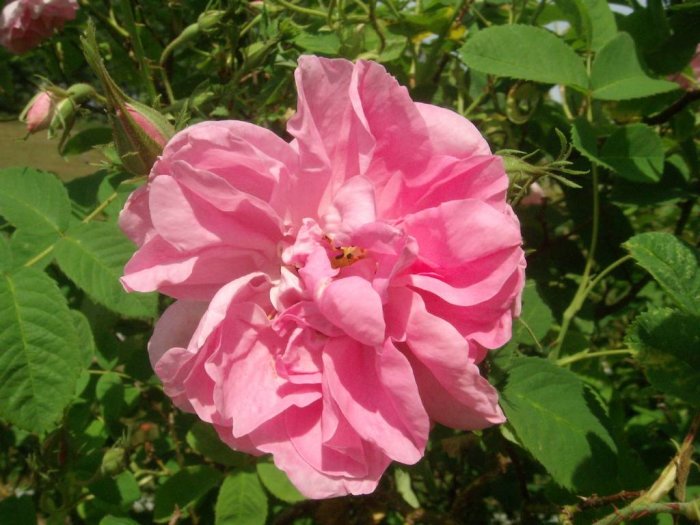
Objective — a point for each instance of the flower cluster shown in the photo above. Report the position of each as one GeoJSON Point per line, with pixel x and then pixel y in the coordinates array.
{"type": "Point", "coordinates": [334, 294]}
{"type": "Point", "coordinates": [25, 23]}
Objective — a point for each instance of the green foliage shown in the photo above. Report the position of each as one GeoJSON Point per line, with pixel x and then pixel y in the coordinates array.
{"type": "Point", "coordinates": [668, 342]}
{"type": "Point", "coordinates": [183, 489]}
{"type": "Point", "coordinates": [93, 256]}
{"type": "Point", "coordinates": [674, 265]}
{"type": "Point", "coordinates": [40, 359]}
{"type": "Point", "coordinates": [241, 501]}
{"type": "Point", "coordinates": [617, 75]}
{"type": "Point", "coordinates": [599, 381]}
{"type": "Point", "coordinates": [550, 416]}
{"type": "Point", "coordinates": [278, 483]}
{"type": "Point", "coordinates": [541, 56]}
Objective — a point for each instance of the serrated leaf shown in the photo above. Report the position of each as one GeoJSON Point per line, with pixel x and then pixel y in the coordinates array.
{"type": "Point", "coordinates": [277, 482]}
{"type": "Point", "coordinates": [674, 264]}
{"type": "Point", "coordinates": [635, 152]}
{"type": "Point", "coordinates": [592, 19]}
{"type": "Point", "coordinates": [617, 75]}
{"type": "Point", "coordinates": [86, 139]}
{"type": "Point", "coordinates": [603, 24]}
{"type": "Point", "coordinates": [668, 343]}
{"type": "Point", "coordinates": [583, 138]}
{"type": "Point", "coordinates": [39, 358]}
{"type": "Point", "coordinates": [203, 439]}
{"type": "Point", "coordinates": [546, 408]}
{"type": "Point", "coordinates": [86, 343]}
{"type": "Point", "coordinates": [93, 256]}
{"type": "Point", "coordinates": [33, 246]}
{"type": "Point", "coordinates": [183, 489]}
{"type": "Point", "coordinates": [241, 501]}
{"type": "Point", "coordinates": [34, 200]}
{"type": "Point", "coordinates": [536, 318]}
{"type": "Point", "coordinates": [323, 43]}
{"type": "Point", "coordinates": [121, 490]}
{"type": "Point", "coordinates": [524, 52]}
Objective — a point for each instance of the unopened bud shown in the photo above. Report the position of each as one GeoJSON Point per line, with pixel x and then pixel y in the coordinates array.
{"type": "Point", "coordinates": [39, 112]}
{"type": "Point", "coordinates": [210, 19]}
{"type": "Point", "coordinates": [113, 461]}
{"type": "Point", "coordinates": [151, 122]}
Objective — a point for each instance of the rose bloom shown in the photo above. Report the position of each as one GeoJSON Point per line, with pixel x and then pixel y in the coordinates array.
{"type": "Point", "coordinates": [25, 23]}
{"type": "Point", "coordinates": [336, 293]}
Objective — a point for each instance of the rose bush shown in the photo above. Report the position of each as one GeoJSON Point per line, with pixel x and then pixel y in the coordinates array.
{"type": "Point", "coordinates": [334, 294]}
{"type": "Point", "coordinates": [24, 24]}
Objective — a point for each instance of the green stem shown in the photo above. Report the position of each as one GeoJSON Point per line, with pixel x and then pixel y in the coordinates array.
{"type": "Point", "coordinates": [114, 28]}
{"type": "Point", "coordinates": [606, 272]}
{"type": "Point", "coordinates": [690, 510]}
{"type": "Point", "coordinates": [583, 287]}
{"type": "Point", "coordinates": [302, 10]}
{"type": "Point", "coordinates": [586, 354]}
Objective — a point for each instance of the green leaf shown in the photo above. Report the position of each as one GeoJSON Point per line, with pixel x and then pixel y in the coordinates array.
{"type": "Point", "coordinates": [584, 139]}
{"type": "Point", "coordinates": [109, 391]}
{"type": "Point", "coordinates": [27, 245]}
{"type": "Point", "coordinates": [548, 412]}
{"type": "Point", "coordinates": [542, 56]}
{"type": "Point", "coordinates": [120, 491]}
{"type": "Point", "coordinates": [592, 19]}
{"type": "Point", "coordinates": [203, 439]}
{"type": "Point", "coordinates": [86, 343]}
{"type": "Point", "coordinates": [536, 318]}
{"type": "Point", "coordinates": [183, 489]}
{"type": "Point", "coordinates": [617, 75]}
{"type": "Point", "coordinates": [668, 343]}
{"type": "Point", "coordinates": [115, 520]}
{"type": "Point", "coordinates": [93, 255]}
{"type": "Point", "coordinates": [5, 253]}
{"type": "Point", "coordinates": [603, 24]}
{"type": "Point", "coordinates": [674, 264]}
{"type": "Point", "coordinates": [635, 152]}
{"type": "Point", "coordinates": [86, 139]}
{"type": "Point", "coordinates": [277, 482]}
{"type": "Point", "coordinates": [323, 43]}
{"type": "Point", "coordinates": [18, 511]}
{"type": "Point", "coordinates": [34, 200]}
{"type": "Point", "coordinates": [39, 358]}
{"type": "Point", "coordinates": [241, 501]}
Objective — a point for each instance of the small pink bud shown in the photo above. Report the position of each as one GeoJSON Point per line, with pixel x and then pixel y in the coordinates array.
{"type": "Point", "coordinates": [535, 196]}
{"type": "Point", "coordinates": [39, 112]}
{"type": "Point", "coordinates": [147, 125]}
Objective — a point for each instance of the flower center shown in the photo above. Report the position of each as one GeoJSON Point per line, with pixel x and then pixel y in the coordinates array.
{"type": "Point", "coordinates": [342, 256]}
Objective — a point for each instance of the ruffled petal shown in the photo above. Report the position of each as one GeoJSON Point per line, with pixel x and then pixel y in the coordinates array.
{"type": "Point", "coordinates": [361, 380]}
{"type": "Point", "coordinates": [451, 387]}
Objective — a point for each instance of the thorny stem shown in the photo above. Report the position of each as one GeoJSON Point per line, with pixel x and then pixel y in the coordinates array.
{"type": "Point", "coordinates": [690, 510]}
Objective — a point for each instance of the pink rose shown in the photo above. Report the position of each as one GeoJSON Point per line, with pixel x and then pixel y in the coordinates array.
{"type": "Point", "coordinates": [40, 112]}
{"type": "Point", "coordinates": [25, 23]}
{"type": "Point", "coordinates": [336, 293]}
